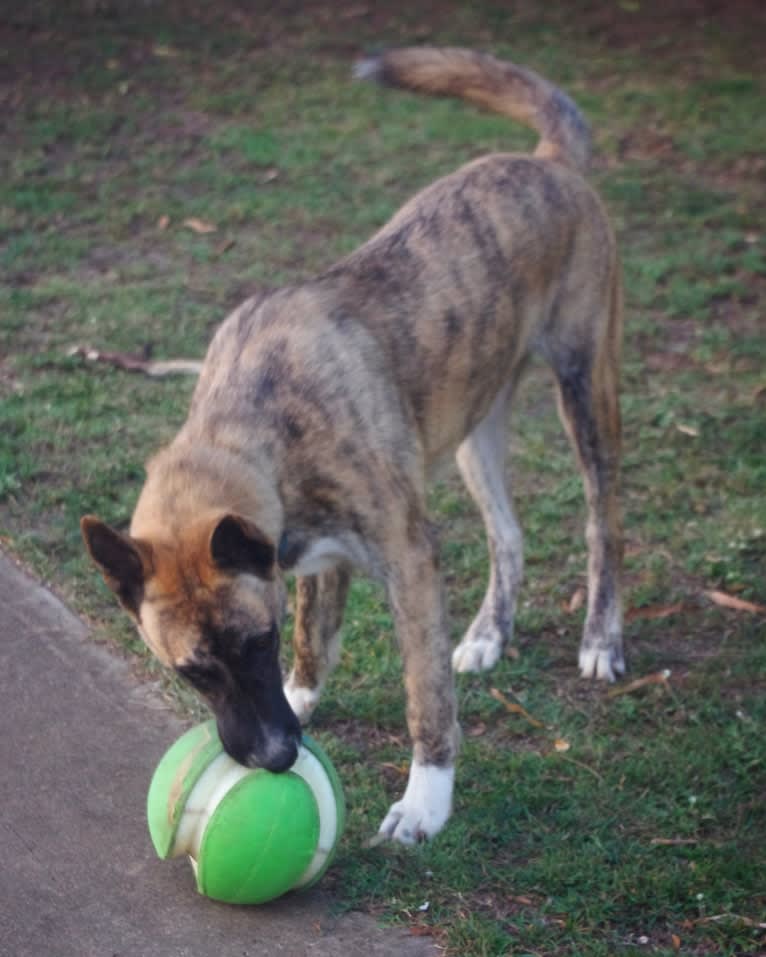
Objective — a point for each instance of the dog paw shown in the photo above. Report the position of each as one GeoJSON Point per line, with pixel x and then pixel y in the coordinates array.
{"type": "Point", "coordinates": [602, 663]}
{"type": "Point", "coordinates": [303, 701]}
{"type": "Point", "coordinates": [425, 807]}
{"type": "Point", "coordinates": [477, 654]}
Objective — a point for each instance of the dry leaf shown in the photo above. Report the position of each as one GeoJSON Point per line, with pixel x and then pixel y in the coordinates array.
{"type": "Point", "coordinates": [687, 430]}
{"type": "Point", "coordinates": [653, 612]}
{"type": "Point", "coordinates": [676, 940]}
{"type": "Point", "coordinates": [561, 744]}
{"type": "Point", "coordinates": [199, 225]}
{"type": "Point", "coordinates": [225, 247]}
{"type": "Point", "coordinates": [515, 708]}
{"type": "Point", "coordinates": [576, 601]}
{"type": "Point", "coordinates": [521, 899]}
{"type": "Point", "coordinates": [421, 930]}
{"type": "Point", "coordinates": [163, 222]}
{"type": "Point", "coordinates": [477, 730]}
{"type": "Point", "coordinates": [736, 604]}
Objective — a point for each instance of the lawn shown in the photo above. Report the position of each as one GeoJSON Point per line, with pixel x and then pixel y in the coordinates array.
{"type": "Point", "coordinates": [589, 820]}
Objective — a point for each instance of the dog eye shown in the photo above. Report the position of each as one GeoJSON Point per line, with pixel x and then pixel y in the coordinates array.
{"type": "Point", "coordinates": [255, 645]}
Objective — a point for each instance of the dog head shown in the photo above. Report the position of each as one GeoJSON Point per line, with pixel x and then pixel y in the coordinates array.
{"type": "Point", "coordinates": [209, 602]}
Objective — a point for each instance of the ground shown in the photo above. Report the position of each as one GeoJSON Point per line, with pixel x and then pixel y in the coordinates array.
{"type": "Point", "coordinates": [162, 160]}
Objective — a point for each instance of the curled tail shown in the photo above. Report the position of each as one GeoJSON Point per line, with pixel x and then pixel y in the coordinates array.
{"type": "Point", "coordinates": [496, 85]}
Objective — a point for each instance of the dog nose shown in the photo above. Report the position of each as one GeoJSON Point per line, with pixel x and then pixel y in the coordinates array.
{"type": "Point", "coordinates": [272, 750]}
{"type": "Point", "coordinates": [260, 741]}
{"type": "Point", "coordinates": [279, 757]}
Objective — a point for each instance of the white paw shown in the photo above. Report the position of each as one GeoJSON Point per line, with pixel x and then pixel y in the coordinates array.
{"type": "Point", "coordinates": [425, 807]}
{"type": "Point", "coordinates": [303, 701]}
{"type": "Point", "coordinates": [478, 653]}
{"type": "Point", "coordinates": [602, 663]}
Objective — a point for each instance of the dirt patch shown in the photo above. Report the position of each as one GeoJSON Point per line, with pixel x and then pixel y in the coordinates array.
{"type": "Point", "coordinates": [364, 737]}
{"type": "Point", "coordinates": [9, 383]}
{"type": "Point", "coordinates": [52, 43]}
{"type": "Point", "coordinates": [679, 28]}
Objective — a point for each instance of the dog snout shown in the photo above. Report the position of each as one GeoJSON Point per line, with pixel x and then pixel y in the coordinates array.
{"type": "Point", "coordinates": [255, 745]}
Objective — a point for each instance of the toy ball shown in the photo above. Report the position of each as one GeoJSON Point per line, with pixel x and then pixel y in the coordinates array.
{"type": "Point", "coordinates": [251, 835]}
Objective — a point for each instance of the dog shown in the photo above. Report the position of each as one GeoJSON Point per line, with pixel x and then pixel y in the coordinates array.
{"type": "Point", "coordinates": [322, 408]}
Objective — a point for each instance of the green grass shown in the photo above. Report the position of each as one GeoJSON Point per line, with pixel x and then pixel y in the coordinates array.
{"type": "Point", "coordinates": [648, 830]}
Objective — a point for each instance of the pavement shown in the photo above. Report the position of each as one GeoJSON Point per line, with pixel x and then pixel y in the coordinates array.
{"type": "Point", "coordinates": [80, 738]}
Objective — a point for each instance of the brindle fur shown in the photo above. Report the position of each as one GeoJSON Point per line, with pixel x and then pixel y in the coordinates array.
{"type": "Point", "coordinates": [321, 410]}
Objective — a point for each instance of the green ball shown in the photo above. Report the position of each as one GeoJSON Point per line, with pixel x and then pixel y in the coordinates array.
{"type": "Point", "coordinates": [251, 835]}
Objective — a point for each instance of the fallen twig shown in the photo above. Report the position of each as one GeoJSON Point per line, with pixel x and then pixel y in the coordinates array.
{"type": "Point", "coordinates": [515, 708]}
{"type": "Point", "coordinates": [579, 764]}
{"type": "Point", "coordinates": [724, 600]}
{"type": "Point", "coordinates": [401, 769]}
{"type": "Point", "coordinates": [717, 918]}
{"type": "Point", "coordinates": [653, 612]}
{"type": "Point", "coordinates": [130, 362]}
{"type": "Point", "coordinates": [673, 841]}
{"type": "Point", "coordinates": [659, 678]}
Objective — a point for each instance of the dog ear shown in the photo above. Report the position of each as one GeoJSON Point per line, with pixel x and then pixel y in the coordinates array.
{"type": "Point", "coordinates": [124, 562]}
{"type": "Point", "coordinates": [238, 545]}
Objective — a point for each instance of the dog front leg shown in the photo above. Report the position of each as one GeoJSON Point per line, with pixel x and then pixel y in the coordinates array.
{"type": "Point", "coordinates": [320, 601]}
{"type": "Point", "coordinates": [415, 594]}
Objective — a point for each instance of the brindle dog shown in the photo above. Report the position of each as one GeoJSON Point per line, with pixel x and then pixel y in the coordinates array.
{"type": "Point", "coordinates": [322, 408]}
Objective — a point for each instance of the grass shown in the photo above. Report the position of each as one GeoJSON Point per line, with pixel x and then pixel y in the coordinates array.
{"type": "Point", "coordinates": [646, 834]}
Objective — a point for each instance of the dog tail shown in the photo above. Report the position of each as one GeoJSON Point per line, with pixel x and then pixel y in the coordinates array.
{"type": "Point", "coordinates": [496, 85]}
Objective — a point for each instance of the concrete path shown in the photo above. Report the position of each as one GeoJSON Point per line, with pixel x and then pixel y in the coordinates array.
{"type": "Point", "coordinates": [79, 739]}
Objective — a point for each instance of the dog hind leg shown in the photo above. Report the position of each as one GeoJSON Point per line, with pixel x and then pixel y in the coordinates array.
{"type": "Point", "coordinates": [481, 460]}
{"type": "Point", "coordinates": [320, 601]}
{"type": "Point", "coordinates": [589, 409]}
